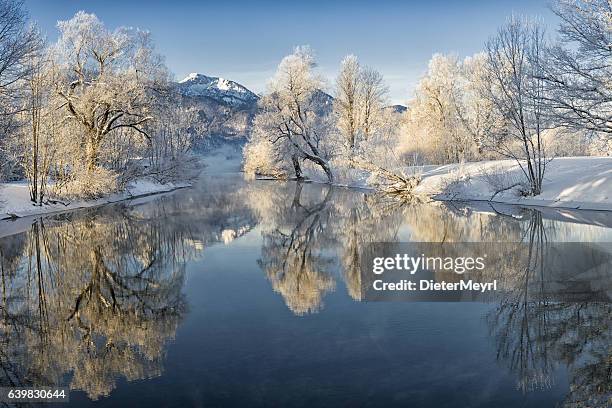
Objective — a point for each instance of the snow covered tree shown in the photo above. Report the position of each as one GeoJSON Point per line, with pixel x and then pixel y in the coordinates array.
{"type": "Point", "coordinates": [578, 69]}
{"type": "Point", "coordinates": [172, 135]}
{"type": "Point", "coordinates": [347, 103]}
{"type": "Point", "coordinates": [373, 94]}
{"type": "Point", "coordinates": [360, 99]}
{"type": "Point", "coordinates": [289, 119]}
{"type": "Point", "coordinates": [362, 126]}
{"type": "Point", "coordinates": [516, 90]}
{"type": "Point", "coordinates": [91, 112]}
{"type": "Point", "coordinates": [17, 42]}
{"type": "Point", "coordinates": [475, 111]}
{"type": "Point", "coordinates": [264, 158]}
{"type": "Point", "coordinates": [39, 132]}
{"type": "Point", "coordinates": [434, 127]}
{"type": "Point", "coordinates": [109, 80]}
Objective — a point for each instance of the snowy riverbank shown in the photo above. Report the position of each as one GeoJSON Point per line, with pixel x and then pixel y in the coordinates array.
{"type": "Point", "coordinates": [583, 183]}
{"type": "Point", "coordinates": [16, 207]}
{"type": "Point", "coordinates": [15, 199]}
{"type": "Point", "coordinates": [570, 182]}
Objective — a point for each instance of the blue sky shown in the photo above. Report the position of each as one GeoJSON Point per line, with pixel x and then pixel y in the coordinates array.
{"type": "Point", "coordinates": [245, 40]}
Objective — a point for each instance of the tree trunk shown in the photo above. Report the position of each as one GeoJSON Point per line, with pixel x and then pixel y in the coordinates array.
{"type": "Point", "coordinates": [297, 168]}
{"type": "Point", "coordinates": [297, 194]}
{"type": "Point", "coordinates": [324, 165]}
{"type": "Point", "coordinates": [92, 153]}
{"type": "Point", "coordinates": [327, 170]}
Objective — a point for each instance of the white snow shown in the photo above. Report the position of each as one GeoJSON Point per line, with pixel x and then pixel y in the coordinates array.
{"type": "Point", "coordinates": [189, 77]}
{"type": "Point", "coordinates": [199, 85]}
{"type": "Point", "coordinates": [15, 200]}
{"type": "Point", "coordinates": [581, 183]}
{"type": "Point", "coordinates": [223, 84]}
{"type": "Point", "coordinates": [569, 182]}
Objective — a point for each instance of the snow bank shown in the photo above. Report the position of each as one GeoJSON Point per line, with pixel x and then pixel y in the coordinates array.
{"type": "Point", "coordinates": [583, 183]}
{"type": "Point", "coordinates": [15, 199]}
{"type": "Point", "coordinates": [569, 182]}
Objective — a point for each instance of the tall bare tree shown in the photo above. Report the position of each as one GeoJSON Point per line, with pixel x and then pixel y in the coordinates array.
{"type": "Point", "coordinates": [516, 90]}
{"type": "Point", "coordinates": [578, 69]}
{"type": "Point", "coordinates": [17, 42]}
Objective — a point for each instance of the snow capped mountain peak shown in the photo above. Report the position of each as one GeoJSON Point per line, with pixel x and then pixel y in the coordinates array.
{"type": "Point", "coordinates": [192, 76]}
{"type": "Point", "coordinates": [220, 89]}
{"type": "Point", "coordinates": [223, 84]}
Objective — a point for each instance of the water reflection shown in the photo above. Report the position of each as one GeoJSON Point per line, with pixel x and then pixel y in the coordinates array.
{"type": "Point", "coordinates": [309, 231]}
{"type": "Point", "coordinates": [544, 320]}
{"type": "Point", "coordinates": [293, 255]}
{"type": "Point", "coordinates": [549, 318]}
{"type": "Point", "coordinates": [96, 296]}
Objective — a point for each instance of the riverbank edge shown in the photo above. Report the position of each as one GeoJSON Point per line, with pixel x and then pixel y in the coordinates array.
{"type": "Point", "coordinates": [571, 183]}
{"type": "Point", "coordinates": [527, 202]}
{"type": "Point", "coordinates": [10, 225]}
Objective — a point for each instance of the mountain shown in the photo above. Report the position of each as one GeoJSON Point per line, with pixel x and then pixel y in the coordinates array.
{"type": "Point", "coordinates": [226, 108]}
{"type": "Point", "coordinates": [220, 90]}
{"type": "Point", "coordinates": [324, 102]}
{"type": "Point", "coordinates": [397, 108]}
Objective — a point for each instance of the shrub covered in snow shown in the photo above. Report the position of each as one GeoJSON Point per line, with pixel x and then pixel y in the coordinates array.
{"type": "Point", "coordinates": [500, 180]}
{"type": "Point", "coordinates": [87, 184]}
{"type": "Point", "coordinates": [260, 159]}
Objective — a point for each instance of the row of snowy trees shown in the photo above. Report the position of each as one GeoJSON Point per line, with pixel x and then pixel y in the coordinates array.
{"type": "Point", "coordinates": [524, 97]}
{"type": "Point", "coordinates": [297, 129]}
{"type": "Point", "coordinates": [88, 114]}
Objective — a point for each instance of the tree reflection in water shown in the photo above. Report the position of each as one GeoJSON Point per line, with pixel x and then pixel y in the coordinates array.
{"type": "Point", "coordinates": [545, 320]}
{"type": "Point", "coordinates": [536, 326]}
{"type": "Point", "coordinates": [97, 297]}
{"type": "Point", "coordinates": [311, 232]}
{"type": "Point", "coordinates": [293, 255]}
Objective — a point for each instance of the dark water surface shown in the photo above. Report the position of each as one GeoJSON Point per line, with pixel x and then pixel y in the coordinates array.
{"type": "Point", "coordinates": [237, 293]}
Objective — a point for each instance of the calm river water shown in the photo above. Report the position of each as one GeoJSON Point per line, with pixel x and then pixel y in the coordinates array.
{"type": "Point", "coordinates": [236, 293]}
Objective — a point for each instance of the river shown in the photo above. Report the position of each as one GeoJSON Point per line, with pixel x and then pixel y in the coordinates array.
{"type": "Point", "coordinates": [249, 294]}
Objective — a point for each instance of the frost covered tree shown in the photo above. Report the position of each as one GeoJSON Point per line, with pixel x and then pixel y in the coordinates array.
{"type": "Point", "coordinates": [578, 70]}
{"type": "Point", "coordinates": [516, 90]}
{"type": "Point", "coordinates": [109, 80]}
{"type": "Point", "coordinates": [438, 115]}
{"type": "Point", "coordinates": [289, 122]}
{"type": "Point", "coordinates": [39, 133]}
{"type": "Point", "coordinates": [475, 111]}
{"type": "Point", "coordinates": [360, 99]}
{"type": "Point", "coordinates": [89, 114]}
{"type": "Point", "coordinates": [364, 131]}
{"type": "Point", "coordinates": [347, 104]}
{"type": "Point", "coordinates": [373, 98]}
{"type": "Point", "coordinates": [172, 134]}
{"type": "Point", "coordinates": [17, 42]}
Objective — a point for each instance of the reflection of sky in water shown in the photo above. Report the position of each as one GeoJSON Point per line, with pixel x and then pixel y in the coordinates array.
{"type": "Point", "coordinates": [272, 318]}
